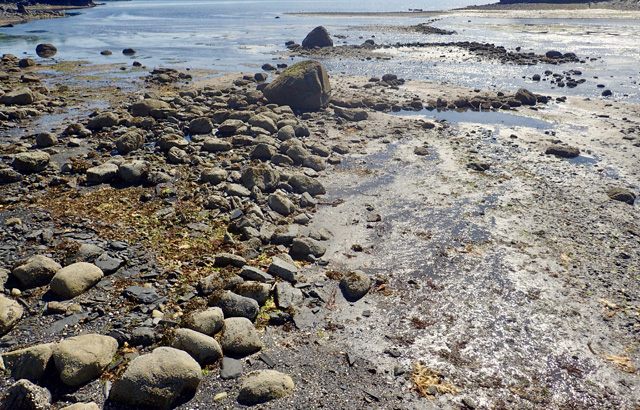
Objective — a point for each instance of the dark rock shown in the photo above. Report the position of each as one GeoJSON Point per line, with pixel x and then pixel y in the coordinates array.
{"type": "Point", "coordinates": [562, 151]}
{"type": "Point", "coordinates": [318, 37]}
{"type": "Point", "coordinates": [303, 86]}
{"type": "Point", "coordinates": [46, 50]}
{"type": "Point", "coordinates": [622, 195]}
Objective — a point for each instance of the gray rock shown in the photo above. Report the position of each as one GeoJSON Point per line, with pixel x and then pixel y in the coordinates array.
{"type": "Point", "coordinates": [108, 263]}
{"type": "Point", "coordinates": [146, 107]}
{"type": "Point", "coordinates": [230, 127]}
{"type": "Point", "coordinates": [75, 279]}
{"type": "Point", "coordinates": [157, 379]}
{"type": "Point", "coordinates": [82, 406]}
{"type": "Point", "coordinates": [262, 386]}
{"type": "Point", "coordinates": [213, 176]}
{"type": "Point", "coordinates": [143, 336]}
{"type": "Point", "coordinates": [102, 174]}
{"type": "Point", "coordinates": [230, 368]}
{"type": "Point", "coordinates": [24, 395]}
{"type": "Point", "coordinates": [306, 249]}
{"type": "Point", "coordinates": [287, 296]}
{"type": "Point", "coordinates": [562, 151]}
{"type": "Point", "coordinates": [254, 290]}
{"type": "Point", "coordinates": [200, 125]}
{"type": "Point", "coordinates": [81, 359]}
{"type": "Point", "coordinates": [208, 322]}
{"type": "Point", "coordinates": [302, 183]}
{"type": "Point", "coordinates": [102, 121]}
{"type": "Point", "coordinates": [234, 305]}
{"type": "Point", "coordinates": [133, 172]}
{"type": "Point", "coordinates": [46, 139]}
{"type": "Point", "coordinates": [129, 142]}
{"type": "Point", "coordinates": [283, 269]}
{"type": "Point", "coordinates": [10, 314]}
{"type": "Point", "coordinates": [205, 349]}
{"type": "Point", "coordinates": [216, 145]}
{"type": "Point", "coordinates": [177, 156]}
{"type": "Point", "coordinates": [251, 273]}
{"type": "Point", "coordinates": [22, 96]}
{"type": "Point", "coordinates": [88, 252]}
{"type": "Point", "coordinates": [46, 50]}
{"type": "Point", "coordinates": [263, 152]}
{"type": "Point", "coordinates": [9, 176]}
{"type": "Point", "coordinates": [264, 122]}
{"type": "Point", "coordinates": [281, 204]}
{"type": "Point", "coordinates": [29, 363]}
{"type": "Point", "coordinates": [226, 259]}
{"type": "Point", "coordinates": [240, 337]}
{"type": "Point", "coordinates": [237, 190]}
{"type": "Point", "coordinates": [31, 162]}
{"type": "Point", "coordinates": [318, 37]}
{"type": "Point", "coordinates": [355, 285]}
{"type": "Point", "coordinates": [286, 133]}
{"type": "Point", "coordinates": [303, 86]}
{"type": "Point", "coordinates": [525, 97]}
{"type": "Point", "coordinates": [264, 177]}
{"type": "Point", "coordinates": [622, 195]}
{"type": "Point", "coordinates": [36, 271]}
{"type": "Point", "coordinates": [141, 294]}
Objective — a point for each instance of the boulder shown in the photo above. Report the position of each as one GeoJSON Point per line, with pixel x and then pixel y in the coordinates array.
{"type": "Point", "coordinates": [75, 279]}
{"type": "Point", "coordinates": [240, 337]}
{"type": "Point", "coordinates": [562, 151]}
{"type": "Point", "coordinates": [281, 204]}
{"type": "Point", "coordinates": [200, 125]}
{"type": "Point", "coordinates": [133, 172]}
{"type": "Point", "coordinates": [46, 50]}
{"type": "Point", "coordinates": [234, 305]}
{"type": "Point", "coordinates": [318, 37]}
{"type": "Point", "coordinates": [208, 322]}
{"type": "Point", "coordinates": [254, 290]}
{"type": "Point", "coordinates": [101, 121]}
{"type": "Point", "coordinates": [216, 145]}
{"type": "Point", "coordinates": [148, 107]}
{"type": "Point", "coordinates": [283, 269]}
{"type": "Point", "coordinates": [36, 271]}
{"type": "Point", "coordinates": [29, 363]}
{"type": "Point", "coordinates": [302, 183]}
{"type": "Point", "coordinates": [46, 139]}
{"type": "Point", "coordinates": [158, 379]}
{"type": "Point", "coordinates": [82, 406]}
{"type": "Point", "coordinates": [205, 349]}
{"type": "Point", "coordinates": [264, 177]}
{"type": "Point", "coordinates": [31, 162]}
{"type": "Point", "coordinates": [102, 174]}
{"type": "Point", "coordinates": [262, 386]}
{"type": "Point", "coordinates": [10, 314]}
{"type": "Point", "coordinates": [525, 97]}
{"type": "Point", "coordinates": [129, 141]}
{"type": "Point", "coordinates": [355, 285]}
{"type": "Point", "coordinates": [22, 96]}
{"type": "Point", "coordinates": [303, 86]}
{"type": "Point", "coordinates": [264, 122]}
{"type": "Point", "coordinates": [24, 395]}
{"type": "Point", "coordinates": [81, 359]}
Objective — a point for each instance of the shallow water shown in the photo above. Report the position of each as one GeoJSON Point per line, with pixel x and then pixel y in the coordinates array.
{"type": "Point", "coordinates": [242, 35]}
{"type": "Point", "coordinates": [485, 117]}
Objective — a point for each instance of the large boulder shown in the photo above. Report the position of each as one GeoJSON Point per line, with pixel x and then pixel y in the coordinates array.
{"type": "Point", "coordinates": [262, 386]}
{"type": "Point", "coordinates": [31, 162]}
{"type": "Point", "coordinates": [81, 359]}
{"type": "Point", "coordinates": [205, 349]}
{"type": "Point", "coordinates": [303, 86]}
{"type": "Point", "coordinates": [318, 37]}
{"type": "Point", "coordinates": [22, 96]}
{"type": "Point", "coordinates": [36, 271]}
{"type": "Point", "coordinates": [46, 50]}
{"type": "Point", "coordinates": [10, 313]}
{"type": "Point", "coordinates": [29, 363]}
{"type": "Point", "coordinates": [75, 279]}
{"type": "Point", "coordinates": [157, 379]}
{"type": "Point", "coordinates": [240, 337]}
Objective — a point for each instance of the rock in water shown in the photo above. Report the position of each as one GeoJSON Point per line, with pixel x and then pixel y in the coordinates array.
{"type": "Point", "coordinates": [318, 37]}
{"type": "Point", "coordinates": [157, 379]}
{"type": "Point", "coordinates": [264, 385]}
{"type": "Point", "coordinates": [46, 50]}
{"type": "Point", "coordinates": [303, 86]}
{"type": "Point", "coordinates": [526, 97]}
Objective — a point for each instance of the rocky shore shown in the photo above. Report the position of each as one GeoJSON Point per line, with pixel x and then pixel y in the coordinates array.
{"type": "Point", "coordinates": [296, 238]}
{"type": "Point", "coordinates": [12, 13]}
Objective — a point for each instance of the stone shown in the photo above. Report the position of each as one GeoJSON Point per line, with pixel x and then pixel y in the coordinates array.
{"type": "Point", "coordinates": [81, 359]}
{"type": "Point", "coordinates": [82, 406]}
{"type": "Point", "coordinates": [128, 51]}
{"type": "Point", "coordinates": [355, 285]}
{"type": "Point", "coordinates": [102, 121]}
{"type": "Point", "coordinates": [263, 176]}
{"type": "Point", "coordinates": [29, 363]}
{"type": "Point", "coordinates": [230, 127]}
{"type": "Point", "coordinates": [306, 249]}
{"type": "Point", "coordinates": [9, 176]}
{"type": "Point", "coordinates": [26, 63]}
{"type": "Point", "coordinates": [200, 125]}
{"type": "Point", "coordinates": [525, 97]}
{"type": "Point", "coordinates": [351, 115]}
{"type": "Point", "coordinates": [216, 145]}
{"type": "Point", "coordinates": [213, 176]}
{"type": "Point", "coordinates": [281, 204]}
{"type": "Point", "coordinates": [46, 139]}
{"type": "Point", "coordinates": [234, 305]}
{"type": "Point", "coordinates": [622, 195]}
{"type": "Point", "coordinates": [262, 386]}
{"type": "Point", "coordinates": [251, 273]}
{"type": "Point", "coordinates": [148, 107]}
{"type": "Point", "coordinates": [208, 322]}
{"type": "Point", "coordinates": [157, 380]}
{"type": "Point", "coordinates": [31, 162]}
{"type": "Point", "coordinates": [129, 142]}
{"type": "Point", "coordinates": [75, 279]}
{"type": "Point", "coordinates": [21, 96]}
{"type": "Point", "coordinates": [205, 349]}
{"type": "Point", "coordinates": [227, 259]}
{"type": "Point", "coordinates": [318, 37]}
{"type": "Point", "coordinates": [240, 337]}
{"type": "Point", "coordinates": [142, 336]}
{"type": "Point", "coordinates": [303, 86]}
{"type": "Point", "coordinates": [254, 290]}
{"type": "Point", "coordinates": [46, 50]}
{"type": "Point", "coordinates": [141, 294]}
{"type": "Point", "coordinates": [102, 174]}
{"type": "Point", "coordinates": [264, 122]}
{"type": "Point", "coordinates": [286, 133]}
{"type": "Point", "coordinates": [263, 152]}
{"type": "Point", "coordinates": [36, 271]}
{"type": "Point", "coordinates": [302, 183]}
{"type": "Point", "coordinates": [287, 296]}
{"type": "Point", "coordinates": [562, 151]}
{"type": "Point", "coordinates": [10, 314]}
{"type": "Point", "coordinates": [283, 269]}
{"type": "Point", "coordinates": [133, 172]}
{"type": "Point", "coordinates": [230, 368]}
{"type": "Point", "coordinates": [176, 155]}
{"type": "Point", "coordinates": [24, 395]}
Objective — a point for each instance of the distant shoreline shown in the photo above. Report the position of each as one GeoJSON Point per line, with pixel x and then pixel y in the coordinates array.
{"type": "Point", "coordinates": [10, 18]}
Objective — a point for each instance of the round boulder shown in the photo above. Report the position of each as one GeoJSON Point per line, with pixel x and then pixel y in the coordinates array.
{"type": "Point", "coordinates": [46, 50]}
{"type": "Point", "coordinates": [318, 37]}
{"type": "Point", "coordinates": [262, 386]}
{"type": "Point", "coordinates": [240, 337]}
{"type": "Point", "coordinates": [36, 271]}
{"type": "Point", "coordinates": [75, 279]}
{"type": "Point", "coordinates": [81, 359]}
{"type": "Point", "coordinates": [157, 379]}
{"type": "Point", "coordinates": [205, 349]}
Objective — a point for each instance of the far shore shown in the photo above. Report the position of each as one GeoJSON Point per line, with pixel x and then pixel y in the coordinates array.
{"type": "Point", "coordinates": [39, 12]}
